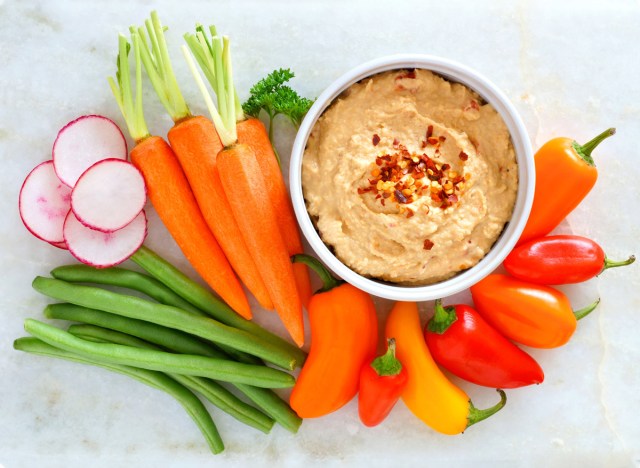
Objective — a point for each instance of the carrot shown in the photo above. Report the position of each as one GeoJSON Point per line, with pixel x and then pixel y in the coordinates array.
{"type": "Point", "coordinates": [169, 190]}
{"type": "Point", "coordinates": [244, 184]}
{"type": "Point", "coordinates": [246, 188]}
{"type": "Point", "coordinates": [253, 133]}
{"type": "Point", "coordinates": [196, 144]}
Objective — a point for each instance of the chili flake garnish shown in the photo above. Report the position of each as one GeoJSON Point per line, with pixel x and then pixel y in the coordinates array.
{"type": "Point", "coordinates": [403, 177]}
{"type": "Point", "coordinates": [463, 156]}
{"type": "Point", "coordinates": [428, 245]}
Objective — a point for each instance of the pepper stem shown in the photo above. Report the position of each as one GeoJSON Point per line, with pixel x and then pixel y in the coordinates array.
{"type": "Point", "coordinates": [442, 319]}
{"type": "Point", "coordinates": [387, 364]}
{"type": "Point", "coordinates": [476, 415]}
{"type": "Point", "coordinates": [582, 313]}
{"type": "Point", "coordinates": [613, 264]}
{"type": "Point", "coordinates": [584, 151]}
{"type": "Point", "coordinates": [328, 280]}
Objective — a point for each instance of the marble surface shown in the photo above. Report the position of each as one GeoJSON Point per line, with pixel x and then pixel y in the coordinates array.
{"type": "Point", "coordinates": [570, 68]}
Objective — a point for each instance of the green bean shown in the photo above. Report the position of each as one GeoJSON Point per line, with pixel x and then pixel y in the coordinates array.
{"type": "Point", "coordinates": [124, 278]}
{"type": "Point", "coordinates": [212, 391]}
{"type": "Point", "coordinates": [205, 300]}
{"type": "Point", "coordinates": [140, 282]}
{"type": "Point", "coordinates": [217, 369]}
{"type": "Point", "coordinates": [158, 380]}
{"type": "Point", "coordinates": [169, 316]}
{"type": "Point", "coordinates": [176, 341]}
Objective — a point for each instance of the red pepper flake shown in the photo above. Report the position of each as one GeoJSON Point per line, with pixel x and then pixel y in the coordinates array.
{"type": "Point", "coordinates": [428, 245]}
{"type": "Point", "coordinates": [400, 196]}
{"type": "Point", "coordinates": [395, 142]}
{"type": "Point", "coordinates": [382, 201]}
{"type": "Point", "coordinates": [432, 140]}
{"type": "Point", "coordinates": [379, 161]}
{"type": "Point", "coordinates": [463, 156]}
{"type": "Point", "coordinates": [376, 139]}
{"type": "Point", "coordinates": [423, 144]}
{"type": "Point", "coordinates": [445, 167]}
{"type": "Point", "coordinates": [429, 131]}
{"type": "Point", "coordinates": [410, 213]}
{"type": "Point", "coordinates": [442, 138]}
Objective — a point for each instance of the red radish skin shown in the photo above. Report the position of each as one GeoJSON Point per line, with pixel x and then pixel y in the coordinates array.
{"type": "Point", "coordinates": [104, 249]}
{"type": "Point", "coordinates": [83, 142]}
{"type": "Point", "coordinates": [109, 195]}
{"type": "Point", "coordinates": [60, 245]}
{"type": "Point", "coordinates": [44, 202]}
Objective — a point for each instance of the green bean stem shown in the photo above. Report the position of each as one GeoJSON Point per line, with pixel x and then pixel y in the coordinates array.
{"type": "Point", "coordinates": [169, 316]}
{"type": "Point", "coordinates": [158, 380]}
{"type": "Point", "coordinates": [205, 300]}
{"type": "Point", "coordinates": [116, 276]}
{"type": "Point", "coordinates": [217, 369]}
{"type": "Point", "coordinates": [212, 391]}
{"type": "Point", "coordinates": [176, 341]}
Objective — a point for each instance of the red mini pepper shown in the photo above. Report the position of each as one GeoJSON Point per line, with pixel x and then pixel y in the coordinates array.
{"type": "Point", "coordinates": [462, 342]}
{"type": "Point", "coordinates": [559, 260]}
{"type": "Point", "coordinates": [381, 384]}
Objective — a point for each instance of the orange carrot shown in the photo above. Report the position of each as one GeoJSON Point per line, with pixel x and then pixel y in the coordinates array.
{"type": "Point", "coordinates": [168, 188]}
{"type": "Point", "coordinates": [172, 198]}
{"type": "Point", "coordinates": [246, 190]}
{"type": "Point", "coordinates": [196, 144]}
{"type": "Point", "coordinates": [253, 133]}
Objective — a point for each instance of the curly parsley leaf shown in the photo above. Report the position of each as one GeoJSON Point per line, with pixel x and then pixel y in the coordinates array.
{"type": "Point", "coordinates": [274, 97]}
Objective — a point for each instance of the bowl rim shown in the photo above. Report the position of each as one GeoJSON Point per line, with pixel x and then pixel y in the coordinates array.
{"type": "Point", "coordinates": [454, 72]}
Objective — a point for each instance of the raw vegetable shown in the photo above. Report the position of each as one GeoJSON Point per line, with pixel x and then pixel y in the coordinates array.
{"type": "Point", "coordinates": [179, 342]}
{"type": "Point", "coordinates": [208, 52]}
{"type": "Point", "coordinates": [196, 145]}
{"type": "Point", "coordinates": [169, 189]}
{"type": "Point", "coordinates": [429, 394]}
{"type": "Point", "coordinates": [195, 409]}
{"type": "Point", "coordinates": [245, 188]}
{"type": "Point", "coordinates": [104, 249]}
{"type": "Point", "coordinates": [83, 142]}
{"type": "Point", "coordinates": [217, 369]}
{"type": "Point", "coordinates": [44, 202]}
{"type": "Point", "coordinates": [109, 195]}
{"type": "Point", "coordinates": [274, 97]}
{"type": "Point", "coordinates": [382, 381]}
{"type": "Point", "coordinates": [565, 174]}
{"type": "Point", "coordinates": [462, 342]}
{"type": "Point", "coordinates": [202, 298]}
{"type": "Point", "coordinates": [531, 314]}
{"type": "Point", "coordinates": [211, 390]}
{"type": "Point", "coordinates": [344, 336]}
{"type": "Point", "coordinates": [560, 259]}
{"type": "Point", "coordinates": [134, 307]}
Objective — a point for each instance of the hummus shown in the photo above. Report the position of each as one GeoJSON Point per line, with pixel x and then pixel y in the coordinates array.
{"type": "Point", "coordinates": [409, 178]}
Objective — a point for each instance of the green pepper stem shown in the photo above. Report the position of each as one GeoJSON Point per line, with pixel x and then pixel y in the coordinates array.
{"type": "Point", "coordinates": [582, 313]}
{"type": "Point", "coordinates": [476, 415]}
{"type": "Point", "coordinates": [328, 280]}
{"type": "Point", "coordinates": [584, 151]}
{"type": "Point", "coordinates": [613, 264]}
{"type": "Point", "coordinates": [387, 364]}
{"type": "Point", "coordinates": [442, 319]}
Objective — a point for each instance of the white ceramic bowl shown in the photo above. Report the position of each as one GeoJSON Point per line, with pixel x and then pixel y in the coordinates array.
{"type": "Point", "coordinates": [454, 72]}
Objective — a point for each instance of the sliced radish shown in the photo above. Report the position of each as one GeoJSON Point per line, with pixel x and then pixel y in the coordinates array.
{"type": "Point", "coordinates": [83, 142]}
{"type": "Point", "coordinates": [104, 249]}
{"type": "Point", "coordinates": [44, 202]}
{"type": "Point", "coordinates": [61, 245]}
{"type": "Point", "coordinates": [108, 195]}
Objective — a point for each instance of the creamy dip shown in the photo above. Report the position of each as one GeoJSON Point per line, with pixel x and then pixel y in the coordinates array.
{"type": "Point", "coordinates": [409, 178]}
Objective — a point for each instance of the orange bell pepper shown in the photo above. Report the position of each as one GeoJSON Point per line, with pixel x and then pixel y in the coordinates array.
{"type": "Point", "coordinates": [531, 314]}
{"type": "Point", "coordinates": [344, 335]}
{"type": "Point", "coordinates": [429, 394]}
{"type": "Point", "coordinates": [565, 174]}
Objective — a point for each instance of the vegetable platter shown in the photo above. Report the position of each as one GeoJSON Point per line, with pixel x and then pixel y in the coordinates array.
{"type": "Point", "coordinates": [563, 82]}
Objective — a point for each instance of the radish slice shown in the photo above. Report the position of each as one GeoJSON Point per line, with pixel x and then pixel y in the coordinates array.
{"type": "Point", "coordinates": [83, 142]}
{"type": "Point", "coordinates": [61, 245]}
{"type": "Point", "coordinates": [104, 249]}
{"type": "Point", "coordinates": [44, 202]}
{"type": "Point", "coordinates": [108, 195]}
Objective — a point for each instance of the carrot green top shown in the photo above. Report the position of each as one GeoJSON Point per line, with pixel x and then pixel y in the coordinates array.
{"type": "Point", "coordinates": [122, 90]}
{"type": "Point", "coordinates": [155, 57]}
{"type": "Point", "coordinates": [213, 54]}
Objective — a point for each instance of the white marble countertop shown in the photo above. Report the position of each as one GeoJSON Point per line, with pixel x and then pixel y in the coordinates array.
{"type": "Point", "coordinates": [570, 68]}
